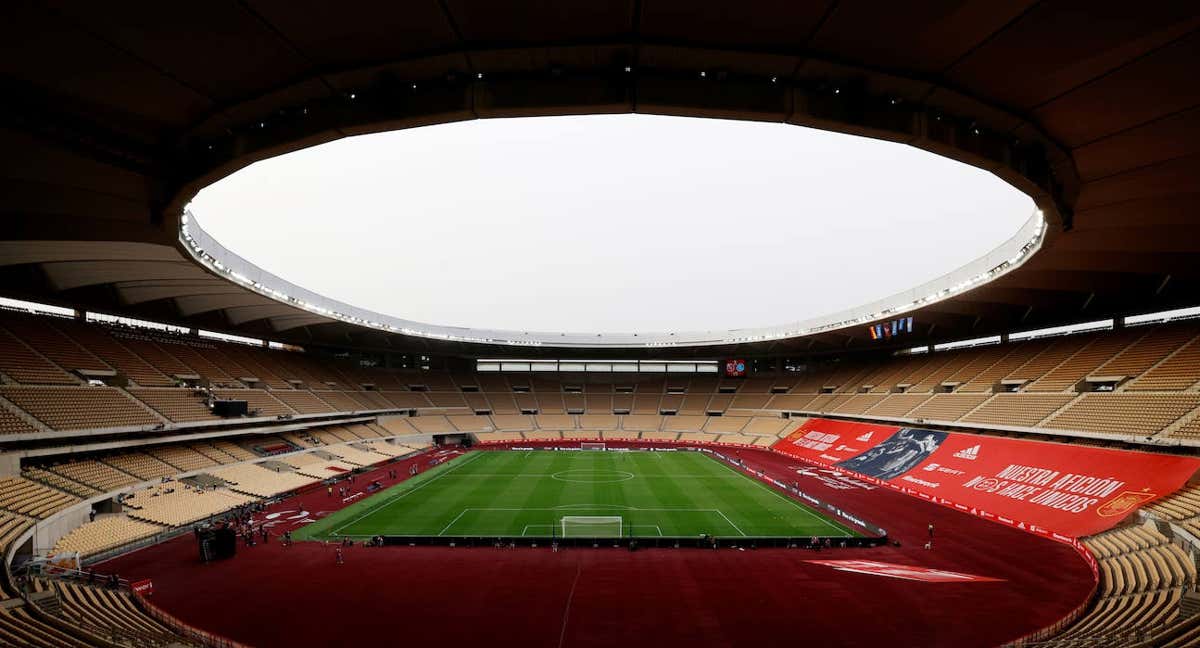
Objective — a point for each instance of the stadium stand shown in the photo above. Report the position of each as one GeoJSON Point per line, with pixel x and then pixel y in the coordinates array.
{"type": "Point", "coordinates": [96, 339]}
{"type": "Point", "coordinates": [1032, 384]}
{"type": "Point", "coordinates": [28, 498]}
{"type": "Point", "coordinates": [1143, 577]}
{"type": "Point", "coordinates": [78, 408]}
{"type": "Point", "coordinates": [93, 474]}
{"type": "Point", "coordinates": [1125, 413]}
{"type": "Point", "coordinates": [181, 457]}
{"type": "Point", "coordinates": [23, 364]}
{"type": "Point", "coordinates": [259, 402]}
{"type": "Point", "coordinates": [177, 404]}
{"type": "Point", "coordinates": [111, 613]}
{"type": "Point", "coordinates": [106, 533]}
{"type": "Point", "coordinates": [255, 480]}
{"type": "Point", "coordinates": [1017, 409]}
{"type": "Point", "coordinates": [140, 465]}
{"type": "Point", "coordinates": [40, 334]}
{"type": "Point", "coordinates": [18, 627]}
{"type": "Point", "coordinates": [174, 504]}
{"type": "Point", "coordinates": [10, 423]}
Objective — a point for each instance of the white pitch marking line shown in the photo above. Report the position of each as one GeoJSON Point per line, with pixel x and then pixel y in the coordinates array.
{"type": "Point", "coordinates": [388, 502]}
{"type": "Point", "coordinates": [464, 512]}
{"type": "Point", "coordinates": [719, 512]}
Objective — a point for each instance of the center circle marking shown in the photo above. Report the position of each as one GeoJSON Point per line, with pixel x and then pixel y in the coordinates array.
{"type": "Point", "coordinates": [589, 476]}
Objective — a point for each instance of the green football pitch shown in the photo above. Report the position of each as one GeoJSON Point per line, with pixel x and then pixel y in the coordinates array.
{"type": "Point", "coordinates": [528, 493]}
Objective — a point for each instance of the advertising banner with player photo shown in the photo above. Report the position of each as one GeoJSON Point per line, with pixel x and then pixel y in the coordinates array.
{"type": "Point", "coordinates": [1061, 490]}
{"type": "Point", "coordinates": [896, 455]}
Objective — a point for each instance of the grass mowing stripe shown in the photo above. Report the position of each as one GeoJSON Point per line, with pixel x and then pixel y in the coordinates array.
{"type": "Point", "coordinates": [409, 491]}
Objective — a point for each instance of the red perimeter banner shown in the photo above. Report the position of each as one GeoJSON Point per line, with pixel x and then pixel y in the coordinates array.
{"type": "Point", "coordinates": [1060, 490]}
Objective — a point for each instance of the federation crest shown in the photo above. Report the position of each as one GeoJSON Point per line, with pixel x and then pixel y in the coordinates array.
{"type": "Point", "coordinates": [1124, 503]}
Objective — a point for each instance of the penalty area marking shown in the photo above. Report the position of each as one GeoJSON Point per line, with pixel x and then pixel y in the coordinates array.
{"type": "Point", "coordinates": [595, 507]}
{"type": "Point", "coordinates": [525, 531]}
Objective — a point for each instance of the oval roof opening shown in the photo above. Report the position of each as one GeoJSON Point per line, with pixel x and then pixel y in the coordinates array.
{"type": "Point", "coordinates": [610, 224]}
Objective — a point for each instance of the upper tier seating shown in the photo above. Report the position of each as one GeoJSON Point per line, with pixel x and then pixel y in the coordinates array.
{"type": "Point", "coordinates": [259, 402]}
{"type": "Point", "coordinates": [175, 403]}
{"type": "Point", "coordinates": [23, 364]}
{"type": "Point", "coordinates": [12, 424]}
{"type": "Point", "coordinates": [1096, 353]}
{"type": "Point", "coordinates": [1126, 413]}
{"type": "Point", "coordinates": [1157, 360]}
{"type": "Point", "coordinates": [303, 401]}
{"type": "Point", "coordinates": [50, 343]}
{"type": "Point", "coordinates": [97, 340]}
{"type": "Point", "coordinates": [1021, 410]}
{"type": "Point", "coordinates": [77, 408]}
{"type": "Point", "coordinates": [1177, 372]}
{"type": "Point", "coordinates": [947, 407]}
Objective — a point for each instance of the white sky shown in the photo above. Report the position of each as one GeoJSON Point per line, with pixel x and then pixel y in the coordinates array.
{"type": "Point", "coordinates": [625, 223]}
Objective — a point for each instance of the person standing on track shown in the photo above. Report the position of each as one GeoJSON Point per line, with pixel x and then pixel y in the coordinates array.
{"type": "Point", "coordinates": [338, 555]}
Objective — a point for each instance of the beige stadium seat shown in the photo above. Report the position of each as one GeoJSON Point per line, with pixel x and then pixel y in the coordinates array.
{"type": "Point", "coordinates": [173, 504]}
{"type": "Point", "coordinates": [23, 496]}
{"type": "Point", "coordinates": [1127, 413]}
{"type": "Point", "coordinates": [255, 480]}
{"type": "Point", "coordinates": [10, 423]}
{"type": "Point", "coordinates": [898, 405]}
{"type": "Point", "coordinates": [24, 365]}
{"type": "Point", "coordinates": [105, 534]}
{"type": "Point", "coordinates": [947, 407]}
{"type": "Point", "coordinates": [1017, 409]}
{"type": "Point", "coordinates": [179, 404]}
{"type": "Point", "coordinates": [78, 408]}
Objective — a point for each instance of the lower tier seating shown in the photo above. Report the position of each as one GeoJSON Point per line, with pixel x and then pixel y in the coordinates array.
{"type": "Point", "coordinates": [255, 480]}
{"type": "Point", "coordinates": [1142, 580]}
{"type": "Point", "coordinates": [22, 496]}
{"type": "Point", "coordinates": [174, 504]}
{"type": "Point", "coordinates": [106, 533]}
{"type": "Point", "coordinates": [112, 613]}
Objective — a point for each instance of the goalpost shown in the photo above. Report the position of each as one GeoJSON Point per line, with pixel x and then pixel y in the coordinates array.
{"type": "Point", "coordinates": [592, 526]}
{"type": "Point", "coordinates": [584, 445]}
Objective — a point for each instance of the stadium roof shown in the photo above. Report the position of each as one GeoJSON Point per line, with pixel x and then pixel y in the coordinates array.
{"type": "Point", "coordinates": [117, 114]}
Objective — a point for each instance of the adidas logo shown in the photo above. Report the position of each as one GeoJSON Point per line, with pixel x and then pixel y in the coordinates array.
{"type": "Point", "coordinates": [971, 453]}
{"type": "Point", "coordinates": [865, 437]}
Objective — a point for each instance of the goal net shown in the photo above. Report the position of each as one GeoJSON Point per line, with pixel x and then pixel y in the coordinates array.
{"type": "Point", "coordinates": [584, 445]}
{"type": "Point", "coordinates": [592, 526]}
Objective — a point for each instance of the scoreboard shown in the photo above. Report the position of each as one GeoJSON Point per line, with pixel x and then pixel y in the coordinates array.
{"type": "Point", "coordinates": [735, 368]}
{"type": "Point", "coordinates": [891, 329]}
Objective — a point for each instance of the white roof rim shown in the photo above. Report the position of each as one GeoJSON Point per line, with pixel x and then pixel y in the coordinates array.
{"type": "Point", "coordinates": [1006, 257]}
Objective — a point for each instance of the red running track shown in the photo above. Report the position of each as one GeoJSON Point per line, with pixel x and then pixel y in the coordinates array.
{"type": "Point", "coordinates": [534, 598]}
